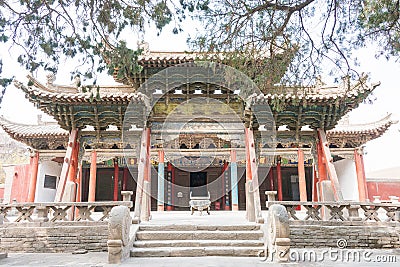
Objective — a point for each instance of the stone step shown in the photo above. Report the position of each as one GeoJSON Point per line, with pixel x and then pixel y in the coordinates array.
{"type": "Point", "coordinates": [190, 227]}
{"type": "Point", "coordinates": [199, 235]}
{"type": "Point", "coordinates": [198, 243]}
{"type": "Point", "coordinates": [196, 251]}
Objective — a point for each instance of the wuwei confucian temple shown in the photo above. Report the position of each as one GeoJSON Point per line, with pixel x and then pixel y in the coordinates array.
{"type": "Point", "coordinates": [181, 128]}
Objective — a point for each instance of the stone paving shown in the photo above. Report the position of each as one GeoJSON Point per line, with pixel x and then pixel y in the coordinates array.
{"type": "Point", "coordinates": [184, 217]}
{"type": "Point", "coordinates": [372, 258]}
{"type": "Point", "coordinates": [100, 259]}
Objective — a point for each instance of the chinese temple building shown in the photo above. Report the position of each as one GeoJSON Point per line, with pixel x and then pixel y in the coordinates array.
{"type": "Point", "coordinates": [315, 154]}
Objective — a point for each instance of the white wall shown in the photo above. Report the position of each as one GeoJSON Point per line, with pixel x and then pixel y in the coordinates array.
{"type": "Point", "coordinates": [346, 172]}
{"type": "Point", "coordinates": [49, 168]}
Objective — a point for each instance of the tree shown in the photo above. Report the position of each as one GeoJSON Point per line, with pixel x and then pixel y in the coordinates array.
{"type": "Point", "coordinates": [47, 31]}
{"type": "Point", "coordinates": [321, 32]}
{"type": "Point", "coordinates": [280, 41]}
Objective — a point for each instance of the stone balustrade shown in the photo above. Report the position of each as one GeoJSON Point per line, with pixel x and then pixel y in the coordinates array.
{"type": "Point", "coordinates": [59, 211]}
{"type": "Point", "coordinates": [341, 211]}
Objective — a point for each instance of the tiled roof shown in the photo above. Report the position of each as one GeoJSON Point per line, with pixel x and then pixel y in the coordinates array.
{"type": "Point", "coordinates": [355, 135]}
{"type": "Point", "coordinates": [166, 59]}
{"type": "Point", "coordinates": [319, 94]}
{"type": "Point", "coordinates": [377, 127]}
{"type": "Point", "coordinates": [69, 97]}
{"type": "Point", "coordinates": [18, 130]}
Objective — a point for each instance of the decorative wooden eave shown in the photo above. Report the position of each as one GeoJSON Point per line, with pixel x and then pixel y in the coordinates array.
{"type": "Point", "coordinates": [49, 136]}
{"type": "Point", "coordinates": [317, 106]}
{"type": "Point", "coordinates": [76, 87]}
{"type": "Point", "coordinates": [355, 135]}
{"type": "Point", "coordinates": [76, 110]}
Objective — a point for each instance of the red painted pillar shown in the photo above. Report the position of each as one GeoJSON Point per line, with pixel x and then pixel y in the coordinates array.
{"type": "Point", "coordinates": [361, 181]}
{"type": "Point", "coordinates": [249, 175]}
{"type": "Point", "coordinates": [302, 175]}
{"type": "Point", "coordinates": [92, 178]}
{"type": "Point", "coordinates": [364, 176]}
{"type": "Point", "coordinates": [279, 179]}
{"type": "Point", "coordinates": [73, 166]}
{"type": "Point", "coordinates": [322, 174]}
{"type": "Point", "coordinates": [321, 163]}
{"type": "Point", "coordinates": [79, 182]}
{"type": "Point", "coordinates": [34, 166]}
{"type": "Point", "coordinates": [116, 179]}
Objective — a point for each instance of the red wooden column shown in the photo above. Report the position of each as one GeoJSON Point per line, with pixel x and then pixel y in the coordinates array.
{"type": "Point", "coordinates": [79, 183]}
{"type": "Point", "coordinates": [361, 180]}
{"type": "Point", "coordinates": [73, 167]}
{"type": "Point", "coordinates": [66, 165]}
{"type": "Point", "coordinates": [253, 172]}
{"type": "Point", "coordinates": [329, 165]}
{"type": "Point", "coordinates": [321, 163]}
{"type": "Point", "coordinates": [34, 166]}
{"type": "Point", "coordinates": [92, 178]}
{"type": "Point", "coordinates": [279, 179]}
{"type": "Point", "coordinates": [302, 175]}
{"type": "Point", "coordinates": [116, 179]}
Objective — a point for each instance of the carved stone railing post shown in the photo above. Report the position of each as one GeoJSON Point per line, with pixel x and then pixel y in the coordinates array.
{"type": "Point", "coordinates": [118, 234]}
{"type": "Point", "coordinates": [250, 209]}
{"type": "Point", "coordinates": [377, 199]}
{"type": "Point", "coordinates": [278, 231]}
{"type": "Point", "coordinates": [271, 196]}
{"type": "Point", "coordinates": [126, 195]}
{"type": "Point", "coordinates": [145, 205]}
{"type": "Point", "coordinates": [353, 213]}
{"type": "Point", "coordinates": [394, 199]}
{"type": "Point", "coordinates": [42, 214]}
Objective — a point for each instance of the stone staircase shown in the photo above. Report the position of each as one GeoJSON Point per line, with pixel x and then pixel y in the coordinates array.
{"type": "Point", "coordinates": [197, 240]}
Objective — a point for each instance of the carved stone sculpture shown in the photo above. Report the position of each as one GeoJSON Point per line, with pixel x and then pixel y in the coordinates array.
{"type": "Point", "coordinates": [277, 245]}
{"type": "Point", "coordinates": [118, 234]}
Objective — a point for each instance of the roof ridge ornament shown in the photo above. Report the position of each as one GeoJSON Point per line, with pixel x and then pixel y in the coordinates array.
{"type": "Point", "coordinates": [145, 47]}
{"type": "Point", "coordinates": [50, 78]}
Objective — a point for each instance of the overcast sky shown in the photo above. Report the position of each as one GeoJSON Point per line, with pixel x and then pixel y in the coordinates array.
{"type": "Point", "coordinates": [381, 153]}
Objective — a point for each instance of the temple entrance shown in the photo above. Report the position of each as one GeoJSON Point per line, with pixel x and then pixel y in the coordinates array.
{"type": "Point", "coordinates": [198, 183]}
